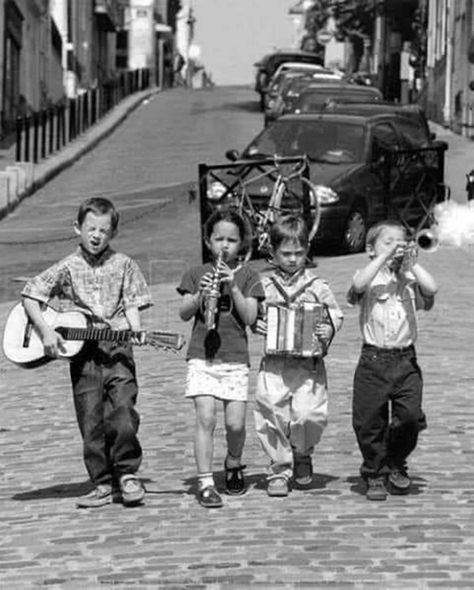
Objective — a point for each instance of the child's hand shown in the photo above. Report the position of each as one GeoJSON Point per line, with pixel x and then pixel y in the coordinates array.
{"type": "Point", "coordinates": [396, 256]}
{"type": "Point", "coordinates": [324, 332]}
{"type": "Point", "coordinates": [260, 327]}
{"type": "Point", "coordinates": [410, 258]}
{"type": "Point", "coordinates": [138, 338]}
{"type": "Point", "coordinates": [227, 274]}
{"type": "Point", "coordinates": [53, 343]}
{"type": "Point", "coordinates": [205, 284]}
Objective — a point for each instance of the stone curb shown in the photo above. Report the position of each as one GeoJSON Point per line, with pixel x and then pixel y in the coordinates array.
{"type": "Point", "coordinates": [24, 178]}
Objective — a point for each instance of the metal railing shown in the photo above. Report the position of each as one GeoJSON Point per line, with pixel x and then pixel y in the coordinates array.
{"type": "Point", "coordinates": [47, 131]}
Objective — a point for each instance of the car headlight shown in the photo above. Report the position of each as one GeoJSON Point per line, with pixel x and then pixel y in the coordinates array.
{"type": "Point", "coordinates": [216, 191]}
{"type": "Point", "coordinates": [325, 194]}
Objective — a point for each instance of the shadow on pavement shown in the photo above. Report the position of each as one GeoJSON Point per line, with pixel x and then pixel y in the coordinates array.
{"type": "Point", "coordinates": [250, 106]}
{"type": "Point", "coordinates": [67, 490]}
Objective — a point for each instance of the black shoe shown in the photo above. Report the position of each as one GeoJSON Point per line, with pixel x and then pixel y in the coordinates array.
{"type": "Point", "coordinates": [376, 489]}
{"type": "Point", "coordinates": [399, 481]}
{"type": "Point", "coordinates": [234, 480]}
{"type": "Point", "coordinates": [209, 498]}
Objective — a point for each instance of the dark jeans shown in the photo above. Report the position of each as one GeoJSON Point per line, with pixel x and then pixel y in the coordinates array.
{"type": "Point", "coordinates": [105, 392]}
{"type": "Point", "coordinates": [387, 380]}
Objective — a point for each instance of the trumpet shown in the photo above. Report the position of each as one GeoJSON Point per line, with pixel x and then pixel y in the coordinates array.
{"type": "Point", "coordinates": [211, 299]}
{"type": "Point", "coordinates": [427, 240]}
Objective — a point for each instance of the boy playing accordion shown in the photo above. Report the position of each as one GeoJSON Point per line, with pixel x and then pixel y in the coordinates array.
{"type": "Point", "coordinates": [291, 401]}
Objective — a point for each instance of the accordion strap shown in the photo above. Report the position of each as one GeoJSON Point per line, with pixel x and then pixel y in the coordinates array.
{"type": "Point", "coordinates": [294, 296]}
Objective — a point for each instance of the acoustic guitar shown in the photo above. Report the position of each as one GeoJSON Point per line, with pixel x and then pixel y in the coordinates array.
{"type": "Point", "coordinates": [23, 346]}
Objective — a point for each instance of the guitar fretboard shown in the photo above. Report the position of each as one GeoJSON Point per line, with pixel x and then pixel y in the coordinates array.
{"type": "Point", "coordinates": [98, 334]}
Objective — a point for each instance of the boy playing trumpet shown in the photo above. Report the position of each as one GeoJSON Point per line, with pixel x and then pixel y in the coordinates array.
{"type": "Point", "coordinates": [389, 290]}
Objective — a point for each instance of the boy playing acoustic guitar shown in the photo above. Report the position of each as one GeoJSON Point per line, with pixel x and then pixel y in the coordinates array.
{"type": "Point", "coordinates": [110, 289]}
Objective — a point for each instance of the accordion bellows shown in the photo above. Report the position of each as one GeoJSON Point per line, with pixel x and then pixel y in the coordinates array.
{"type": "Point", "coordinates": [291, 330]}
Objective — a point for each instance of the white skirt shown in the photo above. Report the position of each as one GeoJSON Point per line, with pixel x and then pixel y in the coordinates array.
{"type": "Point", "coordinates": [224, 381]}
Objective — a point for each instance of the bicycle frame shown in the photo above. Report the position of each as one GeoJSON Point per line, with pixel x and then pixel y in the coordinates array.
{"type": "Point", "coordinates": [234, 179]}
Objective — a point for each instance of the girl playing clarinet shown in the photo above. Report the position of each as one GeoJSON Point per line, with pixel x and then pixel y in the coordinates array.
{"type": "Point", "coordinates": [222, 298]}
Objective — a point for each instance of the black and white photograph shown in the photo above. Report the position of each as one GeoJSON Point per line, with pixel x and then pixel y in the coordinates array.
{"type": "Point", "coordinates": [237, 267]}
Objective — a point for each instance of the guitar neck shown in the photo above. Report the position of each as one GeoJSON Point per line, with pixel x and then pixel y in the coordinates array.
{"type": "Point", "coordinates": [103, 334]}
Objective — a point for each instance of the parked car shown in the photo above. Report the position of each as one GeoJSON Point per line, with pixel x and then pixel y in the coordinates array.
{"type": "Point", "coordinates": [289, 70]}
{"type": "Point", "coordinates": [269, 63]}
{"type": "Point", "coordinates": [280, 100]}
{"type": "Point", "coordinates": [299, 67]}
{"type": "Point", "coordinates": [317, 97]}
{"type": "Point", "coordinates": [291, 93]}
{"type": "Point", "coordinates": [411, 111]}
{"type": "Point", "coordinates": [348, 165]}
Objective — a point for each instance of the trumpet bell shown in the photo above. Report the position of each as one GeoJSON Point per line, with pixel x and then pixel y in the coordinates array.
{"type": "Point", "coordinates": [427, 240]}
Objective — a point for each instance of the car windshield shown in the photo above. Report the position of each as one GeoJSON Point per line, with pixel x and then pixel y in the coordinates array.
{"type": "Point", "coordinates": [332, 142]}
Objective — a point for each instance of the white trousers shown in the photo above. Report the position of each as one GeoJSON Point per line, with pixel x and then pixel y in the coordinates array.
{"type": "Point", "coordinates": [291, 409]}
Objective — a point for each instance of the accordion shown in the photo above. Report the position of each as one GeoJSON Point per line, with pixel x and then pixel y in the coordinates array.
{"type": "Point", "coordinates": [291, 329]}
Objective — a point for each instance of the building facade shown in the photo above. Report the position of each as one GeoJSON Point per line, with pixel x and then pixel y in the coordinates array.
{"type": "Point", "coordinates": [30, 58]}
{"type": "Point", "coordinates": [52, 50]}
{"type": "Point", "coordinates": [448, 96]}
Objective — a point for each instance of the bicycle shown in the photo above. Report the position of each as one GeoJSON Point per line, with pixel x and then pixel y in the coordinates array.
{"type": "Point", "coordinates": [285, 198]}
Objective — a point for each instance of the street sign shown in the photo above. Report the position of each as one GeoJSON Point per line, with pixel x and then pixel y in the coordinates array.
{"type": "Point", "coordinates": [323, 36]}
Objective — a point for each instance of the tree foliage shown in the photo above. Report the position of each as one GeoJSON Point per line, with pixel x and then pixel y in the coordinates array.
{"type": "Point", "coordinates": [354, 18]}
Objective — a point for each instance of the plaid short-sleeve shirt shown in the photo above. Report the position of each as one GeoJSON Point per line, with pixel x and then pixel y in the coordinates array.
{"type": "Point", "coordinates": [102, 288]}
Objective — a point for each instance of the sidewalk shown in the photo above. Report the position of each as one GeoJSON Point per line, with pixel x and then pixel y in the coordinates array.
{"type": "Point", "coordinates": [20, 179]}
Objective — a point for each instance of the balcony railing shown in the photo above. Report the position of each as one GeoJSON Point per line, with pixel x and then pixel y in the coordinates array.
{"type": "Point", "coordinates": [47, 131]}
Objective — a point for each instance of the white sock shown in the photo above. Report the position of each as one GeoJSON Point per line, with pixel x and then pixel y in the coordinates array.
{"type": "Point", "coordinates": [205, 480]}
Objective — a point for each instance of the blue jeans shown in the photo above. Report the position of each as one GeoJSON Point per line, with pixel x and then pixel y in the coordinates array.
{"type": "Point", "coordinates": [387, 381]}
{"type": "Point", "coordinates": [105, 393]}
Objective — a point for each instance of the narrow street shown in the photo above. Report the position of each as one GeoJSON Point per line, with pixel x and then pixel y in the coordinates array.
{"type": "Point", "coordinates": [328, 535]}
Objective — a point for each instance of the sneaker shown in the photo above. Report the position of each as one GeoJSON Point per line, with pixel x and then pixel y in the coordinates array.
{"type": "Point", "coordinates": [376, 489]}
{"type": "Point", "coordinates": [132, 490]}
{"type": "Point", "coordinates": [399, 480]}
{"type": "Point", "coordinates": [99, 496]}
{"type": "Point", "coordinates": [234, 480]}
{"type": "Point", "coordinates": [303, 470]}
{"type": "Point", "coordinates": [210, 498]}
{"type": "Point", "coordinates": [278, 486]}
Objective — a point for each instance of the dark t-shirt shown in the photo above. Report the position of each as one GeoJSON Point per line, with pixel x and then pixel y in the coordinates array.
{"type": "Point", "coordinates": [228, 342]}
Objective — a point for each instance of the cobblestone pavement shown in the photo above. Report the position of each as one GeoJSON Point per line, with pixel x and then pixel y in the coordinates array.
{"type": "Point", "coordinates": [326, 536]}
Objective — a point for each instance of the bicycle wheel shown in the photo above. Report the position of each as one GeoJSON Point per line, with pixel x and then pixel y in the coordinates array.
{"type": "Point", "coordinates": [290, 201]}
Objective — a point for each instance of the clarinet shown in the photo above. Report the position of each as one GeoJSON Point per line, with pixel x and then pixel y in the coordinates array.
{"type": "Point", "coordinates": [212, 298]}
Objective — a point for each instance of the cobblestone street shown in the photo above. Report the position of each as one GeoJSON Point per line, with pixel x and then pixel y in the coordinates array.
{"type": "Point", "coordinates": [326, 536]}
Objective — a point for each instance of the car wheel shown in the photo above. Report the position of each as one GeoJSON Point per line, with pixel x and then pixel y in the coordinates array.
{"type": "Point", "coordinates": [355, 230]}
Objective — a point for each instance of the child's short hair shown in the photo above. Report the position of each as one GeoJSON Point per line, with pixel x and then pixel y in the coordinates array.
{"type": "Point", "coordinates": [290, 228]}
{"type": "Point", "coordinates": [375, 231]}
{"type": "Point", "coordinates": [98, 206]}
{"type": "Point", "coordinates": [230, 216]}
